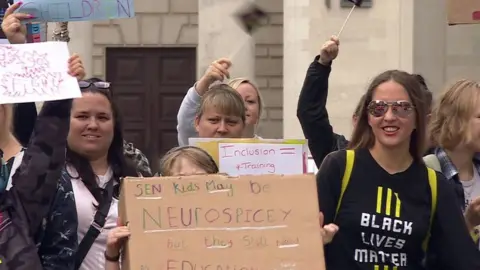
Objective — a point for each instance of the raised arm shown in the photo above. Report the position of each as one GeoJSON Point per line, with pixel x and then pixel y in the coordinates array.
{"type": "Point", "coordinates": [311, 110]}
{"type": "Point", "coordinates": [217, 71]}
{"type": "Point", "coordinates": [35, 181]}
{"type": "Point", "coordinates": [186, 116]}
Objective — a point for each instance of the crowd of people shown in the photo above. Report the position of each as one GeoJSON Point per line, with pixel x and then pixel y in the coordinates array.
{"type": "Point", "coordinates": [403, 193]}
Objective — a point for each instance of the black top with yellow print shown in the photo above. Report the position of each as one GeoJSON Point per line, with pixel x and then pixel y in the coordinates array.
{"type": "Point", "coordinates": [384, 218]}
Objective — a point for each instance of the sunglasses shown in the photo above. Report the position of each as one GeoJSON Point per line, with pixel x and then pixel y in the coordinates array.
{"type": "Point", "coordinates": [378, 108]}
{"type": "Point", "coordinates": [99, 85]}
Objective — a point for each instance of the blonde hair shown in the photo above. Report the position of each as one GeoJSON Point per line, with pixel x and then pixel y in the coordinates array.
{"type": "Point", "coordinates": [449, 125]}
{"type": "Point", "coordinates": [224, 99]}
{"type": "Point", "coordinates": [195, 155]}
{"type": "Point", "coordinates": [235, 83]}
{"type": "Point", "coordinates": [7, 124]}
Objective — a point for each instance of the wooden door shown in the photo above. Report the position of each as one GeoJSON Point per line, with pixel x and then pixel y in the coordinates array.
{"type": "Point", "coordinates": [148, 85]}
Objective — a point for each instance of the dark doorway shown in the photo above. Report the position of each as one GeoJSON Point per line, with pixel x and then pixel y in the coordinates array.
{"type": "Point", "coordinates": [148, 85]}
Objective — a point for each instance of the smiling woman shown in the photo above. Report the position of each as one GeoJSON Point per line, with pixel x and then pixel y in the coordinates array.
{"type": "Point", "coordinates": [87, 193]}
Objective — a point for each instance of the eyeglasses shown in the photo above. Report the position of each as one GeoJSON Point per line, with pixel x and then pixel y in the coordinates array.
{"type": "Point", "coordinates": [99, 85]}
{"type": "Point", "coordinates": [401, 108]}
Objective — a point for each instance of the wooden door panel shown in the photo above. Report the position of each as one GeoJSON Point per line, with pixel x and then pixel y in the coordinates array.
{"type": "Point", "coordinates": [127, 71]}
{"type": "Point", "coordinates": [149, 85]}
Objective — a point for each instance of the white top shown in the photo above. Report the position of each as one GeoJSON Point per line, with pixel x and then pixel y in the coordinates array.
{"type": "Point", "coordinates": [16, 163]}
{"type": "Point", "coordinates": [85, 210]}
{"type": "Point", "coordinates": [471, 189]}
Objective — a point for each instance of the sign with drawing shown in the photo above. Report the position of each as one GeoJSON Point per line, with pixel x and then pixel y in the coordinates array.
{"type": "Point", "coordinates": [36, 72]}
{"type": "Point", "coordinates": [221, 222]}
{"type": "Point", "coordinates": [77, 10]}
{"type": "Point", "coordinates": [256, 156]}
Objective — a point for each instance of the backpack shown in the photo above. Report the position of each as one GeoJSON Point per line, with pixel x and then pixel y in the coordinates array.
{"type": "Point", "coordinates": [432, 162]}
{"type": "Point", "coordinates": [432, 181]}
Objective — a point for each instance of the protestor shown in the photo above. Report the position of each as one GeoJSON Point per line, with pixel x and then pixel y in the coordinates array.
{"type": "Point", "coordinates": [85, 207]}
{"type": "Point", "coordinates": [130, 151]}
{"type": "Point", "coordinates": [312, 104]}
{"type": "Point", "coordinates": [381, 189]}
{"type": "Point", "coordinates": [18, 120]}
{"type": "Point", "coordinates": [218, 71]}
{"type": "Point", "coordinates": [455, 130]}
{"type": "Point", "coordinates": [34, 183]}
{"type": "Point", "coordinates": [221, 113]}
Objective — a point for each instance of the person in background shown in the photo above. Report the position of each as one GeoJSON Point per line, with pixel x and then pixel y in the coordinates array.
{"type": "Point", "coordinates": [388, 192]}
{"type": "Point", "coordinates": [312, 111]}
{"type": "Point", "coordinates": [17, 121]}
{"type": "Point", "coordinates": [221, 113]}
{"type": "Point", "coordinates": [85, 206]}
{"type": "Point", "coordinates": [130, 151]}
{"type": "Point", "coordinates": [455, 130]}
{"type": "Point", "coordinates": [187, 160]}
{"type": "Point", "coordinates": [9, 145]}
{"type": "Point", "coordinates": [24, 117]}
{"type": "Point", "coordinates": [218, 71]}
{"type": "Point", "coordinates": [179, 161]}
{"type": "Point", "coordinates": [24, 205]}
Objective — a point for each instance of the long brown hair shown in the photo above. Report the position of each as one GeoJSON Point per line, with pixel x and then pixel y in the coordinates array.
{"type": "Point", "coordinates": [363, 136]}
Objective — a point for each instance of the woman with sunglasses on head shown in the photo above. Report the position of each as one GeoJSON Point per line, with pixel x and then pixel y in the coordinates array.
{"type": "Point", "coordinates": [85, 207]}
{"type": "Point", "coordinates": [390, 209]}
{"type": "Point", "coordinates": [218, 72]}
{"type": "Point", "coordinates": [179, 161]}
{"type": "Point", "coordinates": [312, 104]}
{"type": "Point", "coordinates": [137, 157]}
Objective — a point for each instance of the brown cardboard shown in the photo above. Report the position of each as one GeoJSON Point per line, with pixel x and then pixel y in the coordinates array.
{"type": "Point", "coordinates": [463, 11]}
{"type": "Point", "coordinates": [247, 223]}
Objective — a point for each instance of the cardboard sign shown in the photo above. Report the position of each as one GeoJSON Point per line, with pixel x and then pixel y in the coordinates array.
{"type": "Point", "coordinates": [463, 11]}
{"type": "Point", "coordinates": [219, 222]}
{"type": "Point", "coordinates": [256, 156]}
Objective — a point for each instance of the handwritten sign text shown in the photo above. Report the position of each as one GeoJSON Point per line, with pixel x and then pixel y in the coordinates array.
{"type": "Point", "coordinates": [77, 10]}
{"type": "Point", "coordinates": [259, 158]}
{"type": "Point", "coordinates": [217, 222]}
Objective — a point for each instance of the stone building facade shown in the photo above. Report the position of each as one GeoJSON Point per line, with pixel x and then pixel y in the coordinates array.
{"type": "Point", "coordinates": [409, 34]}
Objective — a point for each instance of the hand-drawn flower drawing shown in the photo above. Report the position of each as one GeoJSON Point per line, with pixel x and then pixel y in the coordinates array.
{"type": "Point", "coordinates": [8, 55]}
{"type": "Point", "coordinates": [35, 63]}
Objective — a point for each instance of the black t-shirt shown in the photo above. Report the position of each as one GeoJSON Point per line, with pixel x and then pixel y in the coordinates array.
{"type": "Point", "coordinates": [384, 218]}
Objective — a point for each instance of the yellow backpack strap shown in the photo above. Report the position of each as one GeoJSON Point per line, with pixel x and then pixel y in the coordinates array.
{"type": "Point", "coordinates": [350, 159]}
{"type": "Point", "coordinates": [432, 181]}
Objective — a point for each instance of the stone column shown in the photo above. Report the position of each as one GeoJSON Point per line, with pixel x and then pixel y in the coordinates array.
{"type": "Point", "coordinates": [219, 36]}
{"type": "Point", "coordinates": [81, 42]}
{"type": "Point", "coordinates": [424, 41]}
{"type": "Point", "coordinates": [299, 40]}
